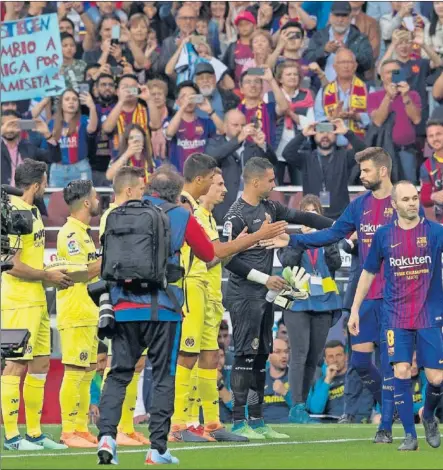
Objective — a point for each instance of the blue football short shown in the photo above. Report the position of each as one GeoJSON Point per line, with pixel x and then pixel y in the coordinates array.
{"type": "Point", "coordinates": [370, 321]}
{"type": "Point", "coordinates": [428, 342]}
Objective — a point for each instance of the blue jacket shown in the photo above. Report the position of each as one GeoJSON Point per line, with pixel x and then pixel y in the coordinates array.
{"type": "Point", "coordinates": [138, 307]}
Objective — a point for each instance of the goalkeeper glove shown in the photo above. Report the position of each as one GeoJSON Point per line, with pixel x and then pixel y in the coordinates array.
{"type": "Point", "coordinates": [296, 278]}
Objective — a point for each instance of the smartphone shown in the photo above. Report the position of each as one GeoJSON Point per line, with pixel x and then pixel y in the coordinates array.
{"type": "Point", "coordinates": [325, 127]}
{"type": "Point", "coordinates": [197, 99]}
{"type": "Point", "coordinates": [83, 88]}
{"type": "Point", "coordinates": [27, 124]}
{"type": "Point", "coordinates": [115, 38]}
{"type": "Point", "coordinates": [295, 36]}
{"type": "Point", "coordinates": [260, 71]}
{"type": "Point", "coordinates": [256, 122]}
{"type": "Point", "coordinates": [116, 70]}
{"type": "Point", "coordinates": [133, 91]}
{"type": "Point", "coordinates": [398, 76]}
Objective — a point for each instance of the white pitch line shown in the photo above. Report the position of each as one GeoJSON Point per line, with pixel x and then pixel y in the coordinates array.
{"type": "Point", "coordinates": [201, 447]}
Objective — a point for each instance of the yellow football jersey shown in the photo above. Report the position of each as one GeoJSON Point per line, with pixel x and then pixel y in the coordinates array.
{"type": "Point", "coordinates": [214, 275]}
{"type": "Point", "coordinates": [193, 266]}
{"type": "Point", "coordinates": [17, 293]}
{"type": "Point", "coordinates": [74, 306]}
{"type": "Point", "coordinates": [104, 217]}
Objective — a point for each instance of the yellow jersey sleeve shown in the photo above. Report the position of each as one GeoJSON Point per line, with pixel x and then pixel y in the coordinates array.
{"type": "Point", "coordinates": [74, 306]}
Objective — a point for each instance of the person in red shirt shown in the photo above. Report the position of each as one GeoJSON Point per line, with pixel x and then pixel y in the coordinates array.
{"type": "Point", "coordinates": [431, 171]}
{"type": "Point", "coordinates": [406, 105]}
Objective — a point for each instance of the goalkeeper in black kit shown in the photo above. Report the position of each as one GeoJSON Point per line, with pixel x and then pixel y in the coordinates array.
{"type": "Point", "coordinates": [251, 290]}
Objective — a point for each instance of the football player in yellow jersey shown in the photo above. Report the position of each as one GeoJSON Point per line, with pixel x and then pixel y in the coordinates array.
{"type": "Point", "coordinates": [129, 184]}
{"type": "Point", "coordinates": [24, 307]}
{"type": "Point", "coordinates": [77, 315]}
{"type": "Point", "coordinates": [198, 342]}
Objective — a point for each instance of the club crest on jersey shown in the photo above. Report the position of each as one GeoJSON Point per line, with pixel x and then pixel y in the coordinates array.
{"type": "Point", "coordinates": [84, 356]}
{"type": "Point", "coordinates": [189, 342]}
{"type": "Point", "coordinates": [73, 247]}
{"type": "Point", "coordinates": [422, 242]}
{"type": "Point", "coordinates": [389, 212]}
{"type": "Point", "coordinates": [255, 343]}
{"type": "Point", "coordinates": [227, 229]}
{"type": "Point", "coordinates": [28, 350]}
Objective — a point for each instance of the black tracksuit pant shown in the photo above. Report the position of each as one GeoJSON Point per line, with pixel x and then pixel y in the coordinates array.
{"type": "Point", "coordinates": [130, 340]}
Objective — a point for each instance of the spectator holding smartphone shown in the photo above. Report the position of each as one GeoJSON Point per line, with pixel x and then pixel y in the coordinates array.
{"type": "Point", "coordinates": [263, 115]}
{"type": "Point", "coordinates": [187, 132]}
{"type": "Point", "coordinates": [325, 167]}
{"type": "Point", "coordinates": [135, 150]}
{"type": "Point", "coordinates": [114, 43]}
{"type": "Point", "coordinates": [69, 133]}
{"type": "Point", "coordinates": [415, 70]}
{"type": "Point", "coordinates": [396, 97]}
{"type": "Point", "coordinates": [131, 108]}
{"type": "Point", "coordinates": [15, 149]}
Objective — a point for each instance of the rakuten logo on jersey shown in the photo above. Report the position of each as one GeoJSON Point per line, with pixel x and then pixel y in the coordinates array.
{"type": "Point", "coordinates": [413, 262]}
{"type": "Point", "coordinates": [369, 229]}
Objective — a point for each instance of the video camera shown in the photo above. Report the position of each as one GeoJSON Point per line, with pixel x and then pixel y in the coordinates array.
{"type": "Point", "coordinates": [14, 343]}
{"type": "Point", "coordinates": [13, 222]}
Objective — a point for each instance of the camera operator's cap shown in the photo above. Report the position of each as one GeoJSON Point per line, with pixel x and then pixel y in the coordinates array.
{"type": "Point", "coordinates": [341, 8]}
{"type": "Point", "coordinates": [245, 15]}
{"type": "Point", "coordinates": [204, 67]}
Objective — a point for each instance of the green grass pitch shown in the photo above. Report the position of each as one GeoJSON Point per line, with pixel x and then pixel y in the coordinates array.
{"type": "Point", "coordinates": [309, 446]}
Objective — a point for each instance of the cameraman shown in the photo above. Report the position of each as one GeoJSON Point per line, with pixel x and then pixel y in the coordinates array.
{"type": "Point", "coordinates": [24, 307]}
{"type": "Point", "coordinates": [325, 167]}
{"type": "Point", "coordinates": [136, 330]}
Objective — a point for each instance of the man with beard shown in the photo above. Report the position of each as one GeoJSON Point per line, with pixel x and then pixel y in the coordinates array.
{"type": "Point", "coordinates": [365, 215]}
{"type": "Point", "coordinates": [325, 167]}
{"type": "Point", "coordinates": [100, 149]}
{"type": "Point", "coordinates": [24, 307]}
{"type": "Point", "coordinates": [221, 100]}
{"type": "Point", "coordinates": [77, 315]}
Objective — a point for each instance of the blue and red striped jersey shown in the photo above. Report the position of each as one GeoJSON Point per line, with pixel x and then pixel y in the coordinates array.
{"type": "Point", "coordinates": [365, 215]}
{"type": "Point", "coordinates": [412, 261]}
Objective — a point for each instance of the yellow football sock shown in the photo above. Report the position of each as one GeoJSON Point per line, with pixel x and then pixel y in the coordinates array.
{"type": "Point", "coordinates": [69, 398]}
{"type": "Point", "coordinates": [81, 423]}
{"type": "Point", "coordinates": [182, 388]}
{"type": "Point", "coordinates": [207, 387]}
{"type": "Point", "coordinates": [10, 399]}
{"type": "Point", "coordinates": [194, 398]}
{"type": "Point", "coordinates": [126, 424]}
{"type": "Point", "coordinates": [105, 374]}
{"type": "Point", "coordinates": [33, 395]}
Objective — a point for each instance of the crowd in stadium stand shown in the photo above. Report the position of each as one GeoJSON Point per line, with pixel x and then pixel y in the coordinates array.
{"type": "Point", "coordinates": [305, 85]}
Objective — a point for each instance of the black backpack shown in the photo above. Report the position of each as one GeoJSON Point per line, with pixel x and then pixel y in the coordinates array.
{"type": "Point", "coordinates": [137, 244]}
